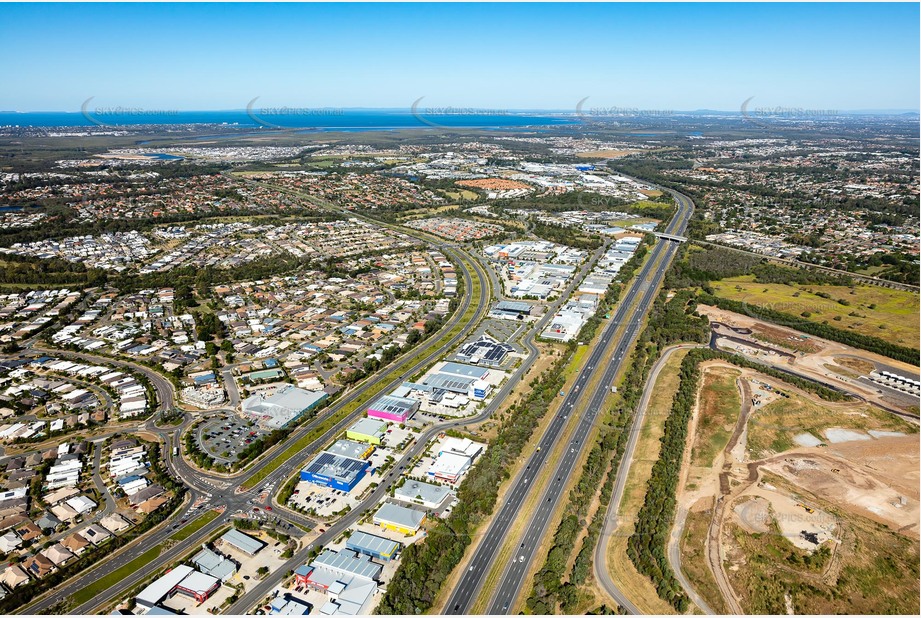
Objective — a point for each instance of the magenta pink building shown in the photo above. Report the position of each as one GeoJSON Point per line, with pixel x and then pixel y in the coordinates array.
{"type": "Point", "coordinates": [393, 408]}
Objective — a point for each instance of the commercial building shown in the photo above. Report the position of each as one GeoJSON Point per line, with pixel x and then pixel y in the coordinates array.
{"type": "Point", "coordinates": [485, 351]}
{"type": "Point", "coordinates": [450, 383]}
{"type": "Point", "coordinates": [212, 563]}
{"type": "Point", "coordinates": [199, 586]}
{"type": "Point", "coordinates": [242, 542]}
{"type": "Point", "coordinates": [564, 325]}
{"type": "Point", "coordinates": [373, 545]}
{"type": "Point", "coordinates": [399, 518]}
{"type": "Point", "coordinates": [428, 495]}
{"type": "Point", "coordinates": [511, 309]}
{"type": "Point", "coordinates": [460, 446]}
{"type": "Point", "coordinates": [479, 390]}
{"type": "Point", "coordinates": [161, 588]}
{"type": "Point", "coordinates": [283, 407]}
{"type": "Point", "coordinates": [335, 471]}
{"type": "Point", "coordinates": [393, 408]}
{"type": "Point", "coordinates": [348, 578]}
{"type": "Point", "coordinates": [367, 430]}
{"type": "Point", "coordinates": [288, 606]}
{"type": "Point", "coordinates": [449, 467]}
{"type": "Point", "coordinates": [351, 449]}
{"type": "Point", "coordinates": [464, 371]}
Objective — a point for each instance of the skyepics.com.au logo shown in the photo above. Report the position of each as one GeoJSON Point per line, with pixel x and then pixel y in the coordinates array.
{"type": "Point", "coordinates": [765, 117]}
{"type": "Point", "coordinates": [438, 117]}
{"type": "Point", "coordinates": [593, 113]}
{"type": "Point", "coordinates": [809, 525]}
{"type": "Point", "coordinates": [288, 117]}
{"type": "Point", "coordinates": [112, 116]}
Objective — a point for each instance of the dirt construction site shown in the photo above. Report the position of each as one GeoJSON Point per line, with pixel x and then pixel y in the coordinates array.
{"type": "Point", "coordinates": [780, 471]}
{"type": "Point", "coordinates": [836, 364]}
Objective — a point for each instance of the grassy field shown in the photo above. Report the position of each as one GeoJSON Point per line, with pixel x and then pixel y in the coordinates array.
{"type": "Point", "coordinates": [772, 428]}
{"type": "Point", "coordinates": [576, 363]}
{"type": "Point", "coordinates": [720, 405]}
{"type": "Point", "coordinates": [878, 572]}
{"type": "Point", "coordinates": [626, 223]}
{"type": "Point", "coordinates": [880, 312]}
{"type": "Point", "coordinates": [694, 561]}
{"type": "Point", "coordinates": [462, 194]}
{"type": "Point", "coordinates": [195, 526]}
{"type": "Point", "coordinates": [113, 578]}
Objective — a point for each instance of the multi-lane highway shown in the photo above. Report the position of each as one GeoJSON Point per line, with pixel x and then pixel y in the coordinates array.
{"type": "Point", "coordinates": [607, 357]}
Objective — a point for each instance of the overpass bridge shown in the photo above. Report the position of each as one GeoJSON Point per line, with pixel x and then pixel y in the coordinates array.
{"type": "Point", "coordinates": [673, 237]}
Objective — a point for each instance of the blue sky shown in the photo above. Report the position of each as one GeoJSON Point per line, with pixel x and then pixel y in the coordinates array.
{"type": "Point", "coordinates": [495, 56]}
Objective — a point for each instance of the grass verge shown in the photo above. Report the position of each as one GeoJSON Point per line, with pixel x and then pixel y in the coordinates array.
{"type": "Point", "coordinates": [195, 526]}
{"type": "Point", "coordinates": [113, 578]}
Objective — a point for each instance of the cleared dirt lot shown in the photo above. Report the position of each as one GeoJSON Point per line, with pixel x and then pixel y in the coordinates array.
{"type": "Point", "coordinates": [826, 361]}
{"type": "Point", "coordinates": [806, 491]}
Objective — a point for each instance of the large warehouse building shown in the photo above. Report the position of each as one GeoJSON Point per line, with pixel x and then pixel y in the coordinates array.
{"type": "Point", "coordinates": [449, 467]}
{"type": "Point", "coordinates": [393, 408]}
{"type": "Point", "coordinates": [286, 405]}
{"type": "Point", "coordinates": [367, 430]}
{"type": "Point", "coordinates": [372, 545]}
{"type": "Point", "coordinates": [399, 518]}
{"type": "Point", "coordinates": [351, 449]}
{"type": "Point", "coordinates": [428, 495]}
{"type": "Point", "coordinates": [335, 471]}
{"type": "Point", "coordinates": [485, 351]}
{"type": "Point", "coordinates": [181, 579]}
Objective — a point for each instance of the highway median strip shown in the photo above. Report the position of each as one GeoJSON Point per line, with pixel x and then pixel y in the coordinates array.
{"type": "Point", "coordinates": [188, 530]}
{"type": "Point", "coordinates": [104, 583]}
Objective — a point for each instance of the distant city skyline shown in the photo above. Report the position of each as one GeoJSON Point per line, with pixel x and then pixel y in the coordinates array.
{"type": "Point", "coordinates": [805, 58]}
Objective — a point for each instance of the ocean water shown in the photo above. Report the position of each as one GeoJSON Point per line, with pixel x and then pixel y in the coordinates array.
{"type": "Point", "coordinates": [293, 118]}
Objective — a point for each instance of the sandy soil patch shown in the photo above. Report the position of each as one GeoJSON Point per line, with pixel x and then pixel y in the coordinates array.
{"type": "Point", "coordinates": [855, 488]}
{"type": "Point", "coordinates": [753, 515]}
{"type": "Point", "coordinates": [804, 529]}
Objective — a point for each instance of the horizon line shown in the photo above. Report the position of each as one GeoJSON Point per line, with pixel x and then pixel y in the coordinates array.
{"type": "Point", "coordinates": [467, 110]}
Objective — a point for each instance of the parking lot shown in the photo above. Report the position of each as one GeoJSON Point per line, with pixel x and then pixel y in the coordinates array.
{"type": "Point", "coordinates": [223, 437]}
{"type": "Point", "coordinates": [325, 501]}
